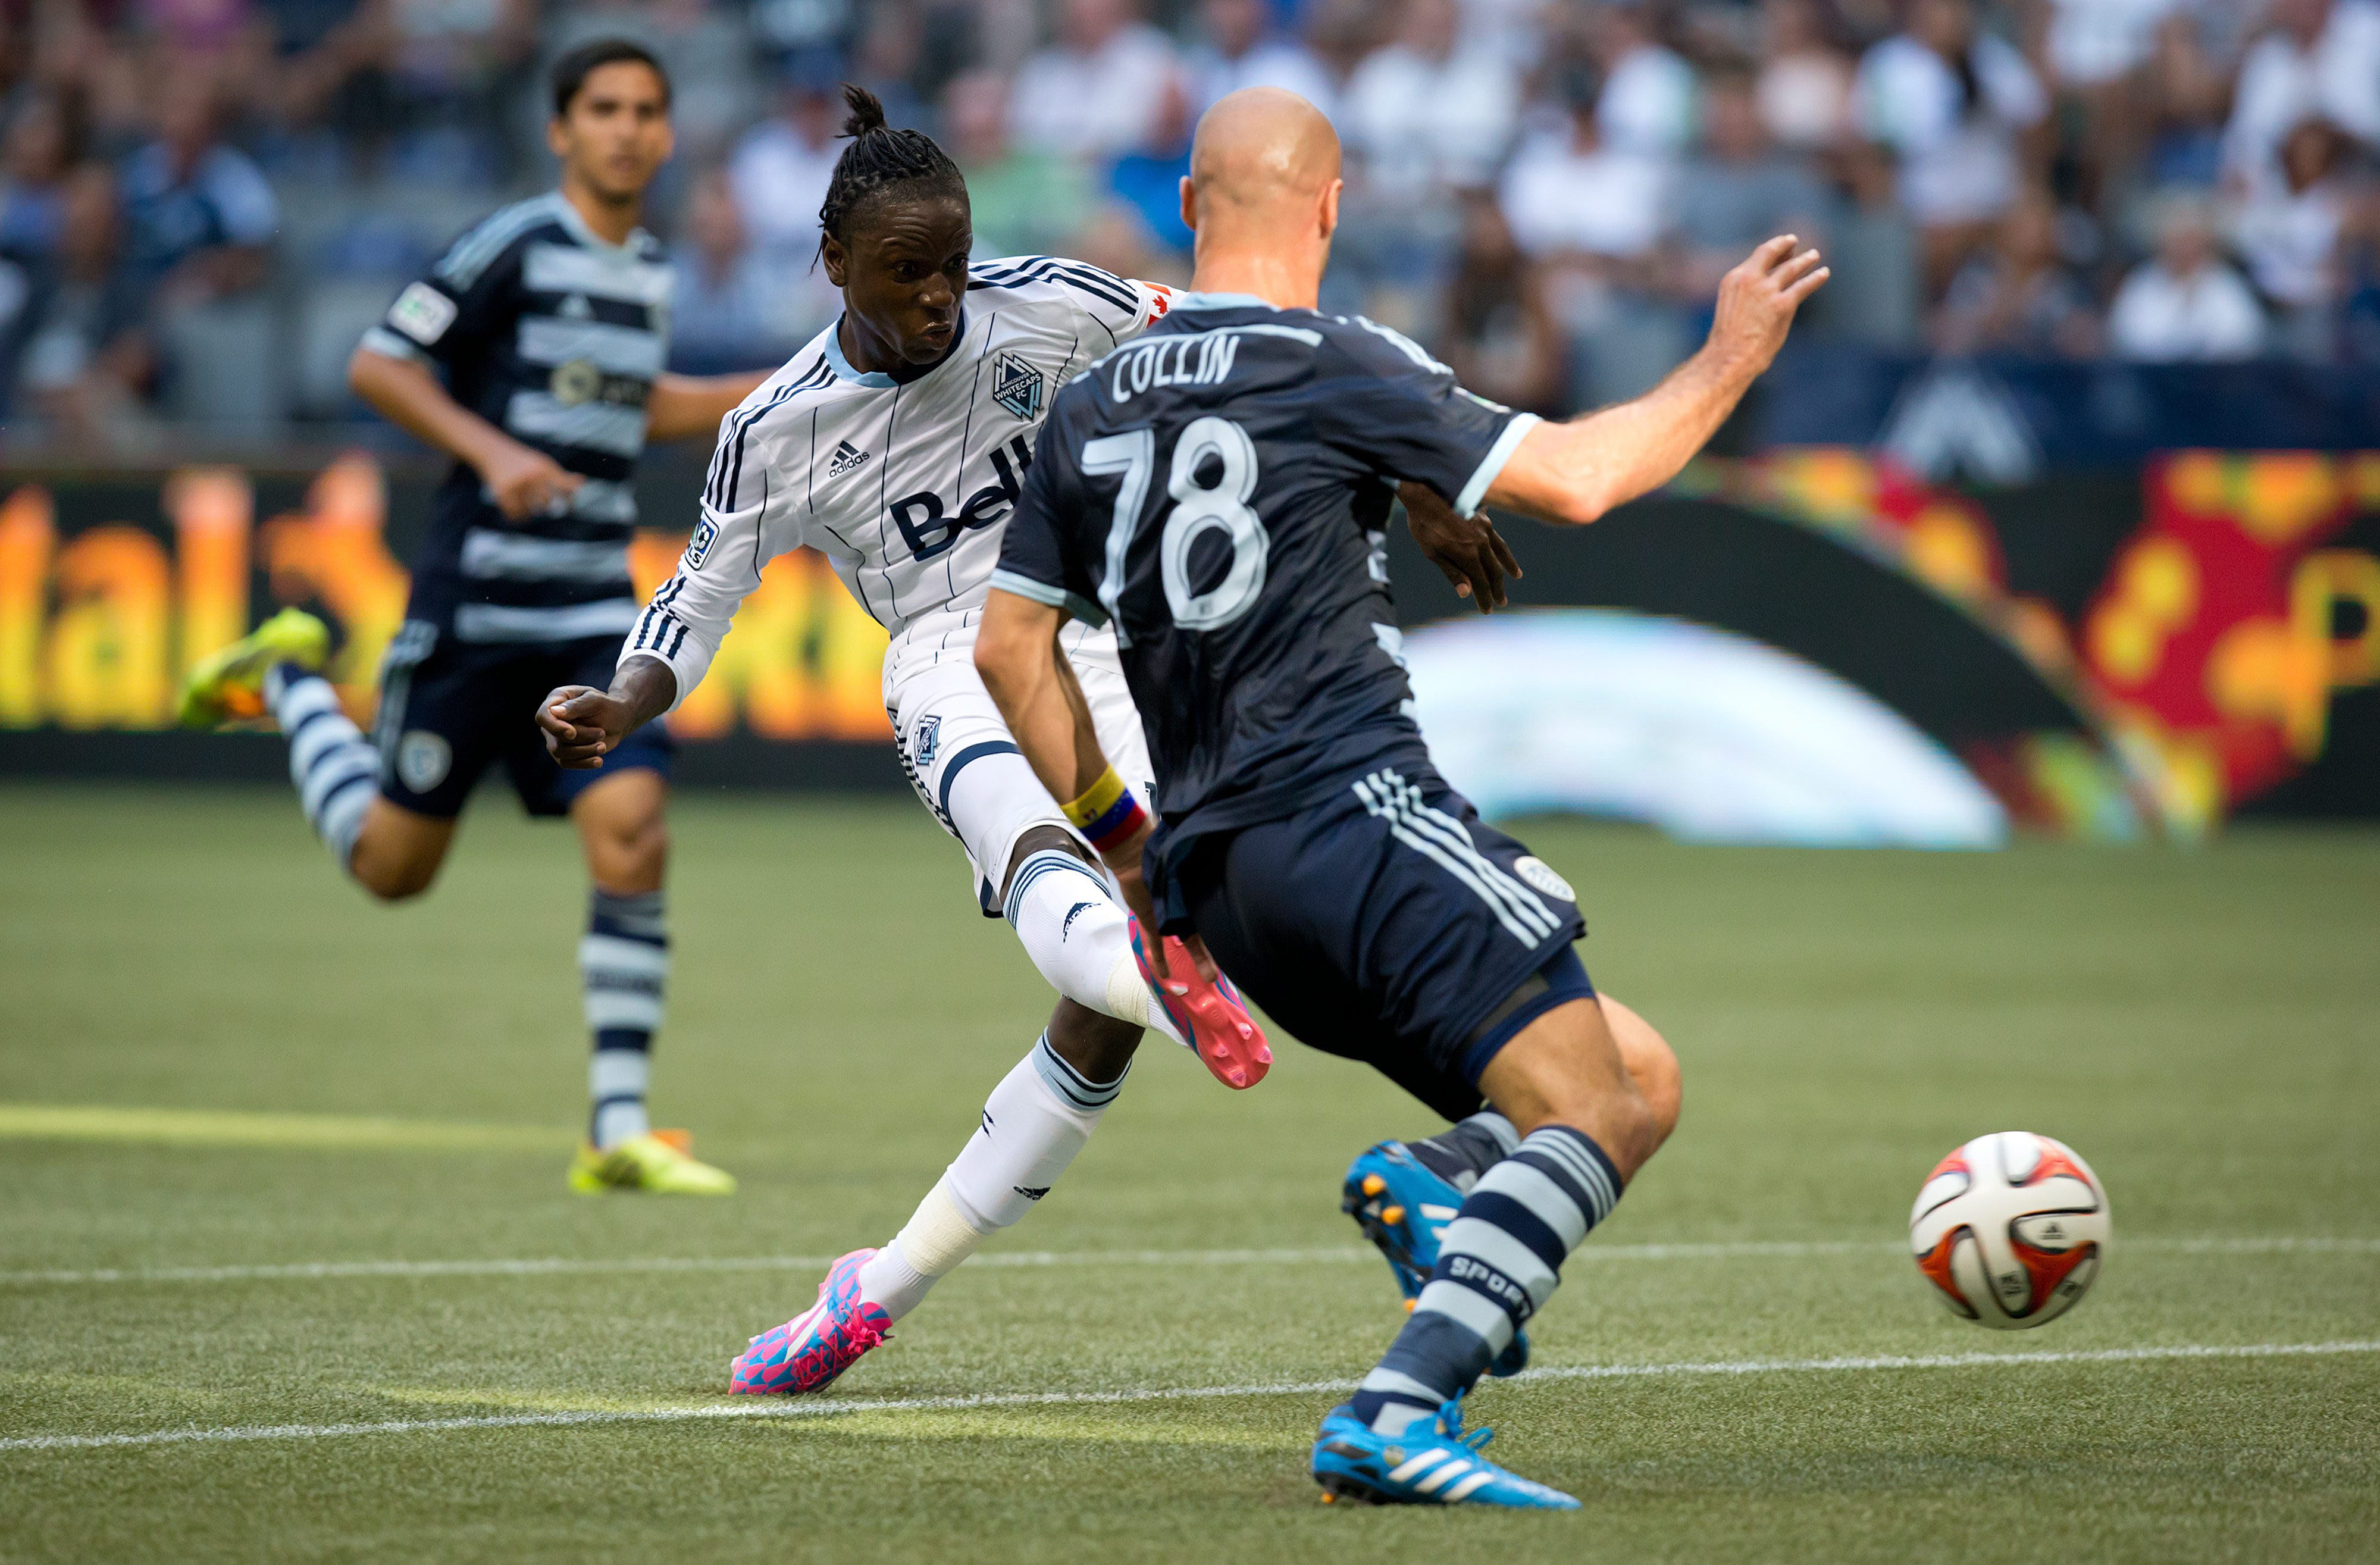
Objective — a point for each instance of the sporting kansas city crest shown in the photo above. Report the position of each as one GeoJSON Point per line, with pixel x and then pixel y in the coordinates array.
{"type": "Point", "coordinates": [1017, 387]}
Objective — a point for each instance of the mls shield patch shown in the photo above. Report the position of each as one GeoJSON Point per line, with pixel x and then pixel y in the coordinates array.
{"type": "Point", "coordinates": [423, 313]}
{"type": "Point", "coordinates": [1542, 876]}
{"type": "Point", "coordinates": [422, 760]}
{"type": "Point", "coordinates": [1017, 387]}
{"type": "Point", "coordinates": [697, 548]}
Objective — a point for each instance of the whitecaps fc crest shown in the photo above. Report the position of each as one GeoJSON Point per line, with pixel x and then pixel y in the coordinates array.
{"type": "Point", "coordinates": [1017, 387]}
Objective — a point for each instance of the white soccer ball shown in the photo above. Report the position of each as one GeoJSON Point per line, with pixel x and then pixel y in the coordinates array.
{"type": "Point", "coordinates": [2010, 1230]}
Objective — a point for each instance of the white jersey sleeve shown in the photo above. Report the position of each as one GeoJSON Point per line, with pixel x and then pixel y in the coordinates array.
{"type": "Point", "coordinates": [1123, 306]}
{"type": "Point", "coordinates": [749, 518]}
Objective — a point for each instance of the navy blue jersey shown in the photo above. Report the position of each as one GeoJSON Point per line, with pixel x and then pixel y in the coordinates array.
{"type": "Point", "coordinates": [554, 336]}
{"type": "Point", "coordinates": [1219, 489]}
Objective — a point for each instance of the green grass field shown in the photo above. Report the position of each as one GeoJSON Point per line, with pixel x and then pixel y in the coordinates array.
{"type": "Point", "coordinates": [241, 1108]}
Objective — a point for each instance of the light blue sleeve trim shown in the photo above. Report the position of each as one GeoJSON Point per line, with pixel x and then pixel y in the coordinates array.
{"type": "Point", "coordinates": [383, 341]}
{"type": "Point", "coordinates": [1467, 502]}
{"type": "Point", "coordinates": [1082, 608]}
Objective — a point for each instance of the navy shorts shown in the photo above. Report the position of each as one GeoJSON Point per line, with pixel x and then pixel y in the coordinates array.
{"type": "Point", "coordinates": [1390, 925]}
{"type": "Point", "coordinates": [448, 710]}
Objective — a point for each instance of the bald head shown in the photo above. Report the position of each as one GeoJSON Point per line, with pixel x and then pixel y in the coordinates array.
{"type": "Point", "coordinates": [1263, 195]}
{"type": "Point", "coordinates": [1262, 151]}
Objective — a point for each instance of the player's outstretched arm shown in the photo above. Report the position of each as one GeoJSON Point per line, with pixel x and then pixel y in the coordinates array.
{"type": "Point", "coordinates": [523, 481]}
{"type": "Point", "coordinates": [582, 725]}
{"type": "Point", "coordinates": [684, 406]}
{"type": "Point", "coordinates": [1576, 471]}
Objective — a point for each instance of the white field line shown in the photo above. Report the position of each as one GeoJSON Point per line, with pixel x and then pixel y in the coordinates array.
{"type": "Point", "coordinates": [832, 1407]}
{"type": "Point", "coordinates": [1592, 1253]}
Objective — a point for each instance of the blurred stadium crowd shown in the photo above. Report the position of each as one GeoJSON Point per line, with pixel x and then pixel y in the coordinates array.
{"type": "Point", "coordinates": [204, 203]}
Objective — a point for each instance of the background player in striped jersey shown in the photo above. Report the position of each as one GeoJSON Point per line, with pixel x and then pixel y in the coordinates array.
{"type": "Point", "coordinates": [549, 324]}
{"type": "Point", "coordinates": [896, 444]}
{"type": "Point", "coordinates": [1226, 523]}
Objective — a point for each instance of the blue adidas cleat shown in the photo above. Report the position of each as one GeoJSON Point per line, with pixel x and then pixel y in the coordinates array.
{"type": "Point", "coordinates": [1435, 1464]}
{"type": "Point", "coordinates": [1402, 1207]}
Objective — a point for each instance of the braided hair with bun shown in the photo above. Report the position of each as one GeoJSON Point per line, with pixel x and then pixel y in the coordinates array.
{"type": "Point", "coordinates": [881, 161]}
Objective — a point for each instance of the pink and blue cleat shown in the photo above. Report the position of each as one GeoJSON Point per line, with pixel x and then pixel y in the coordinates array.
{"type": "Point", "coordinates": [808, 1352]}
{"type": "Point", "coordinates": [1210, 1017]}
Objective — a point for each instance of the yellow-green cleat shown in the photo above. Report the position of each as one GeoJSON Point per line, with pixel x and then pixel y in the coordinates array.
{"type": "Point", "coordinates": [229, 685]}
{"type": "Point", "coordinates": [658, 1162]}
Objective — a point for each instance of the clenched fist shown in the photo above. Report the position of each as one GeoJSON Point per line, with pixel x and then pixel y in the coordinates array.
{"type": "Point", "coordinates": [582, 725]}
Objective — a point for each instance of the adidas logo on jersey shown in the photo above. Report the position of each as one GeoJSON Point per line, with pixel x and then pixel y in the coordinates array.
{"type": "Point", "coordinates": [575, 308]}
{"type": "Point", "coordinates": [847, 458]}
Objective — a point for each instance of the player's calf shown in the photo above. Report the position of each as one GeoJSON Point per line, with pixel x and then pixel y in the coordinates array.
{"type": "Point", "coordinates": [1584, 1128]}
{"type": "Point", "coordinates": [397, 853]}
{"type": "Point", "coordinates": [1098, 1046]}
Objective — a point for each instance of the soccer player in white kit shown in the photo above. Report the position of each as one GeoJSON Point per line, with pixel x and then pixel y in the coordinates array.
{"type": "Point", "coordinates": [901, 473]}
{"type": "Point", "coordinates": [896, 444]}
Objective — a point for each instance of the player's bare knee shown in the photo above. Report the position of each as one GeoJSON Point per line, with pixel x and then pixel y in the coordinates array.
{"type": "Point", "coordinates": [1652, 1064]}
{"type": "Point", "coordinates": [1097, 1045]}
{"type": "Point", "coordinates": [634, 854]}
{"type": "Point", "coordinates": [395, 878]}
{"type": "Point", "coordinates": [1043, 839]}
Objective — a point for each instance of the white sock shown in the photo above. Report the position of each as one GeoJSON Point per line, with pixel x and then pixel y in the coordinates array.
{"type": "Point", "coordinates": [332, 763]}
{"type": "Point", "coordinates": [929, 1248]}
{"type": "Point", "coordinates": [1080, 938]}
{"type": "Point", "coordinates": [1033, 1124]}
{"type": "Point", "coordinates": [618, 1080]}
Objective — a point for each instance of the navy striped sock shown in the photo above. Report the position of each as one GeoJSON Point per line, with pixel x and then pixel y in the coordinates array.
{"type": "Point", "coordinates": [1499, 1261]}
{"type": "Point", "coordinates": [624, 967]}
{"type": "Point", "coordinates": [1467, 1149]}
{"type": "Point", "coordinates": [335, 768]}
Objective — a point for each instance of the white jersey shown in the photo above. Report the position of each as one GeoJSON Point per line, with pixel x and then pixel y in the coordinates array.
{"type": "Point", "coordinates": [902, 486]}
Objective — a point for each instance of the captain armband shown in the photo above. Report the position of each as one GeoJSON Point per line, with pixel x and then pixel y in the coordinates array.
{"type": "Point", "coordinates": [1107, 813]}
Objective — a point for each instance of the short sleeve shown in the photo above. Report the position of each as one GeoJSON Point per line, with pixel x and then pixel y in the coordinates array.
{"type": "Point", "coordinates": [1121, 307]}
{"type": "Point", "coordinates": [456, 303]}
{"type": "Point", "coordinates": [1040, 555]}
{"type": "Point", "coordinates": [1397, 410]}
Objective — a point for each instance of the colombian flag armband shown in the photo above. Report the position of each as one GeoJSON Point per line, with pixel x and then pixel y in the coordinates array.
{"type": "Point", "coordinates": [1107, 813]}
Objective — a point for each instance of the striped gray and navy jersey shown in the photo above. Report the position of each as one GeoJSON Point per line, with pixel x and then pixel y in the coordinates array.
{"type": "Point", "coordinates": [555, 336]}
{"type": "Point", "coordinates": [1218, 492]}
{"type": "Point", "coordinates": [903, 485]}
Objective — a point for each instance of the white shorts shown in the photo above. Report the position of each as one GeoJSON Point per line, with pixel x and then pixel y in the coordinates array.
{"type": "Point", "coordinates": [968, 771]}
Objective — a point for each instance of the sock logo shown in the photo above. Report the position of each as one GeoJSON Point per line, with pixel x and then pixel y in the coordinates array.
{"type": "Point", "coordinates": [1030, 1195]}
{"type": "Point", "coordinates": [1068, 927]}
{"type": "Point", "coordinates": [1481, 1276]}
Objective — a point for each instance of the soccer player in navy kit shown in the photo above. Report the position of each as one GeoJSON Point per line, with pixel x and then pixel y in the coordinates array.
{"type": "Point", "coordinates": [532, 354]}
{"type": "Point", "coordinates": [1216, 490]}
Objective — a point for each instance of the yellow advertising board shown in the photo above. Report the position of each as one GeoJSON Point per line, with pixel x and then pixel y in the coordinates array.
{"type": "Point", "coordinates": [98, 623]}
